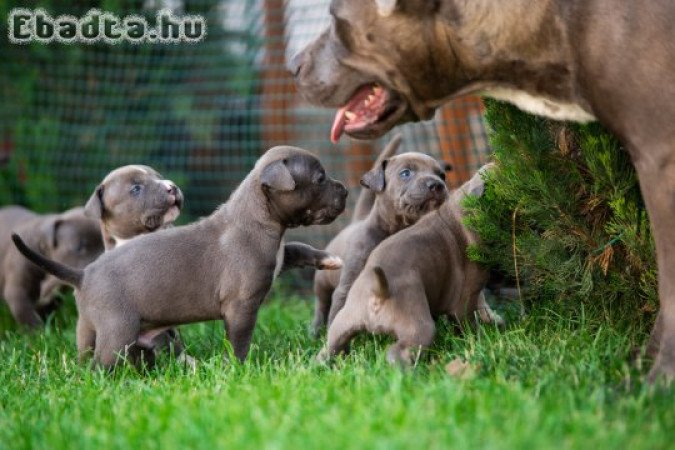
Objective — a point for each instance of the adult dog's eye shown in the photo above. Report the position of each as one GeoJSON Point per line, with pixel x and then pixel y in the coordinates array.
{"type": "Point", "coordinates": [405, 173]}
{"type": "Point", "coordinates": [135, 189]}
{"type": "Point", "coordinates": [321, 179]}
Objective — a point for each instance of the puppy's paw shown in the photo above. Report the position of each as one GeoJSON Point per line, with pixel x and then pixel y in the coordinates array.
{"type": "Point", "coordinates": [488, 315]}
{"type": "Point", "coordinates": [323, 356]}
{"type": "Point", "coordinates": [188, 360]}
{"type": "Point", "coordinates": [330, 262]}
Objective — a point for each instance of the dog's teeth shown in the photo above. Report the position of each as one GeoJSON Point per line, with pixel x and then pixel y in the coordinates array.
{"type": "Point", "coordinates": [370, 99]}
{"type": "Point", "coordinates": [350, 115]}
{"type": "Point", "coordinates": [377, 90]}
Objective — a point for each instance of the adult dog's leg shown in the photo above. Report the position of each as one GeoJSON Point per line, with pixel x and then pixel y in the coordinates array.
{"type": "Point", "coordinates": [656, 171]}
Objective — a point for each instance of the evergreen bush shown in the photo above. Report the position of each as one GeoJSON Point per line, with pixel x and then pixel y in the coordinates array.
{"type": "Point", "coordinates": [562, 215]}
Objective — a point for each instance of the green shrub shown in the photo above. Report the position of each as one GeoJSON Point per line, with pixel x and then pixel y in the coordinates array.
{"type": "Point", "coordinates": [562, 214]}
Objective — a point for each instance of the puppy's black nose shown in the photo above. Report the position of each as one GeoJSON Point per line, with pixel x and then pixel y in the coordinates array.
{"type": "Point", "coordinates": [435, 186]}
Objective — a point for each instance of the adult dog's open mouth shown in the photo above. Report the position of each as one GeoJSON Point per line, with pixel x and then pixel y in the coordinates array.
{"type": "Point", "coordinates": [371, 111]}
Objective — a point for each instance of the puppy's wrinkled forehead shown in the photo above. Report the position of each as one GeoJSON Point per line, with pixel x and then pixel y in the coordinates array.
{"type": "Point", "coordinates": [129, 173]}
{"type": "Point", "coordinates": [302, 165]}
{"type": "Point", "coordinates": [418, 162]}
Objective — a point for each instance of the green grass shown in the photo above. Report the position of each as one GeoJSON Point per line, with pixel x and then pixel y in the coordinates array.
{"type": "Point", "coordinates": [554, 380]}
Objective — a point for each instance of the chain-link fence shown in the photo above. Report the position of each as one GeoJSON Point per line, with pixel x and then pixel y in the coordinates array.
{"type": "Point", "coordinates": [200, 113]}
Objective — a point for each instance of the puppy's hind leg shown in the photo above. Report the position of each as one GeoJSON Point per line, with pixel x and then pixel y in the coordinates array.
{"type": "Point", "coordinates": [86, 338]}
{"type": "Point", "coordinates": [116, 340]}
{"type": "Point", "coordinates": [412, 339]}
{"type": "Point", "coordinates": [348, 322]}
{"type": "Point", "coordinates": [321, 308]}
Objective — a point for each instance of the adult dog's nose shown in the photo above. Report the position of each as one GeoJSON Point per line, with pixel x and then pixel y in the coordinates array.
{"type": "Point", "coordinates": [295, 64]}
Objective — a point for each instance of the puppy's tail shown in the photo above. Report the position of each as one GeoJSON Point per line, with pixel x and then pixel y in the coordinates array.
{"type": "Point", "coordinates": [60, 271]}
{"type": "Point", "coordinates": [366, 196]}
{"type": "Point", "coordinates": [381, 286]}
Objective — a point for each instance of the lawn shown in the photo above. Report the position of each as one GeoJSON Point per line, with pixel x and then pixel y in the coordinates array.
{"type": "Point", "coordinates": [557, 379]}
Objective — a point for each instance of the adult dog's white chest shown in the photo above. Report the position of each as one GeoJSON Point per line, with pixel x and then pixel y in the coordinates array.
{"type": "Point", "coordinates": [541, 106]}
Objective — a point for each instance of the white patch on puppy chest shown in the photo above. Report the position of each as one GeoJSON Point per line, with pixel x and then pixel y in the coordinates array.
{"type": "Point", "coordinates": [541, 106]}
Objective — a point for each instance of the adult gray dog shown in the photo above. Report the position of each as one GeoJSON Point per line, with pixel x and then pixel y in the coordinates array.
{"type": "Point", "coordinates": [219, 267]}
{"type": "Point", "coordinates": [385, 62]}
{"type": "Point", "coordinates": [69, 237]}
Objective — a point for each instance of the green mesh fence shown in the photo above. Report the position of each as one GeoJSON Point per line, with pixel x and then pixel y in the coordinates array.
{"type": "Point", "coordinates": [199, 113]}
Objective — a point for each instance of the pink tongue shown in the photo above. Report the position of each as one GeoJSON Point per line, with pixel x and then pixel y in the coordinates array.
{"type": "Point", "coordinates": [338, 125]}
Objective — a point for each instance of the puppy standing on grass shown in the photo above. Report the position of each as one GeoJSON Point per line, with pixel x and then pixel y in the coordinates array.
{"type": "Point", "coordinates": [411, 278]}
{"type": "Point", "coordinates": [219, 267]}
{"type": "Point", "coordinates": [70, 238]}
{"type": "Point", "coordinates": [406, 187]}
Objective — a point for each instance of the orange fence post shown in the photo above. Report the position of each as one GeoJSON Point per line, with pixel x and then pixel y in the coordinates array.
{"type": "Point", "coordinates": [277, 84]}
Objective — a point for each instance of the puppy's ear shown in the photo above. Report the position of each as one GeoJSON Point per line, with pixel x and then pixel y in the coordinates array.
{"type": "Point", "coordinates": [277, 176]}
{"type": "Point", "coordinates": [94, 207]}
{"type": "Point", "coordinates": [49, 231]}
{"type": "Point", "coordinates": [374, 179]}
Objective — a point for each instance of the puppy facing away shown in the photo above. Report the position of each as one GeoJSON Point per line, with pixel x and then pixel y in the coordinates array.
{"type": "Point", "coordinates": [70, 238]}
{"type": "Point", "coordinates": [414, 276]}
{"type": "Point", "coordinates": [406, 186]}
{"type": "Point", "coordinates": [220, 267]}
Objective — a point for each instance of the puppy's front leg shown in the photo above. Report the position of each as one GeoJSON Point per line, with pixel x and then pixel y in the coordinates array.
{"type": "Point", "coordinates": [298, 255]}
{"type": "Point", "coordinates": [240, 317]}
{"type": "Point", "coordinates": [18, 298]}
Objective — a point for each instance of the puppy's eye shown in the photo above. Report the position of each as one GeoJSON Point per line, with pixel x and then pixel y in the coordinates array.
{"type": "Point", "coordinates": [321, 179]}
{"type": "Point", "coordinates": [405, 174]}
{"type": "Point", "coordinates": [135, 189]}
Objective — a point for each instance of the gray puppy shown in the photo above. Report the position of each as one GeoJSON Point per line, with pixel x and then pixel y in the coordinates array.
{"type": "Point", "coordinates": [133, 200]}
{"type": "Point", "coordinates": [414, 276]}
{"type": "Point", "coordinates": [130, 201]}
{"type": "Point", "coordinates": [407, 186]}
{"type": "Point", "coordinates": [220, 267]}
{"type": "Point", "coordinates": [70, 238]}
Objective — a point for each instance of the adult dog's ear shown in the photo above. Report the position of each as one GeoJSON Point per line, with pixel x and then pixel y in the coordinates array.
{"type": "Point", "coordinates": [94, 207]}
{"type": "Point", "coordinates": [277, 176]}
{"type": "Point", "coordinates": [374, 179]}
